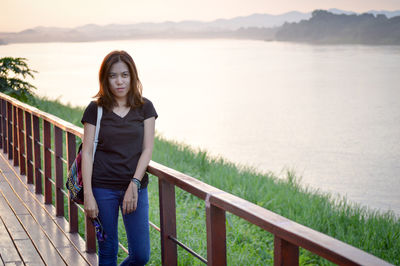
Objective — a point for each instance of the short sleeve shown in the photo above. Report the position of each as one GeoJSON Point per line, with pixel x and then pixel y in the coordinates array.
{"type": "Point", "coordinates": [149, 110]}
{"type": "Point", "coordinates": [90, 114]}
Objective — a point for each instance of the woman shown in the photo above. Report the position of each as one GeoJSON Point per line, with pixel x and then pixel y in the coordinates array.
{"type": "Point", "coordinates": [117, 177]}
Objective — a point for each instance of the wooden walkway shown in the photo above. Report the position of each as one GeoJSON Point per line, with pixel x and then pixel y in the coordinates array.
{"type": "Point", "coordinates": [30, 232]}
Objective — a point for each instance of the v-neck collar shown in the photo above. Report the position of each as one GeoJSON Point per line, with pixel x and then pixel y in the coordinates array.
{"type": "Point", "coordinates": [122, 117]}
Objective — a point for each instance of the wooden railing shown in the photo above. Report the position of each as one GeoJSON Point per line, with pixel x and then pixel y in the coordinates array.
{"type": "Point", "coordinates": [20, 126]}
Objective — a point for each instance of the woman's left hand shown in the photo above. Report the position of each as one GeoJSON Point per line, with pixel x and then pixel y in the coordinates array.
{"type": "Point", "coordinates": [130, 199]}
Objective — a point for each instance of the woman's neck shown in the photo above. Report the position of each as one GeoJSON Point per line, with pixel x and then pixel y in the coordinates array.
{"type": "Point", "coordinates": [120, 102]}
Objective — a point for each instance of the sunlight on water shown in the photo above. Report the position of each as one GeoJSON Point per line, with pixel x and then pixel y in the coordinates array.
{"type": "Point", "coordinates": [331, 113]}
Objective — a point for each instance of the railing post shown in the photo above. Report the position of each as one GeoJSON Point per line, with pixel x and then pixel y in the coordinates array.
{"type": "Point", "coordinates": [216, 235]}
{"type": "Point", "coordinates": [9, 130]}
{"type": "Point", "coordinates": [90, 236]}
{"type": "Point", "coordinates": [48, 197]}
{"type": "Point", "coordinates": [169, 254]}
{"type": "Point", "coordinates": [285, 253]}
{"type": "Point", "coordinates": [15, 137]}
{"type": "Point", "coordinates": [38, 163]}
{"type": "Point", "coordinates": [21, 147]}
{"type": "Point", "coordinates": [72, 209]}
{"type": "Point", "coordinates": [59, 171]}
{"type": "Point", "coordinates": [28, 141]}
{"type": "Point", "coordinates": [1, 123]}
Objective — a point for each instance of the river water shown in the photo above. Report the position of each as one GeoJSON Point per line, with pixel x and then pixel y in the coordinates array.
{"type": "Point", "coordinates": [329, 113]}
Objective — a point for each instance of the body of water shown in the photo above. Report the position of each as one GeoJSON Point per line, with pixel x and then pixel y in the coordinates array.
{"type": "Point", "coordinates": [330, 113]}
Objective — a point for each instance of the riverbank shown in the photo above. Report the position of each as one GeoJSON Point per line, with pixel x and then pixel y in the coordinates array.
{"type": "Point", "coordinates": [375, 232]}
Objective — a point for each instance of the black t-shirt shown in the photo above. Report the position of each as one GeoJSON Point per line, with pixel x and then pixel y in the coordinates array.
{"type": "Point", "coordinates": [119, 145]}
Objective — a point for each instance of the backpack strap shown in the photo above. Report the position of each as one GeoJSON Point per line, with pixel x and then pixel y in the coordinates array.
{"type": "Point", "coordinates": [96, 136]}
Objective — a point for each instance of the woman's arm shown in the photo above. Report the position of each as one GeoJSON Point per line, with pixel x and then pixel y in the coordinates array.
{"type": "Point", "coordinates": [87, 168]}
{"type": "Point", "coordinates": [130, 199]}
{"type": "Point", "coordinates": [147, 150]}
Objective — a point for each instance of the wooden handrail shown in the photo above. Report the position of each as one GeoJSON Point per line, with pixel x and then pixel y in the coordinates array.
{"type": "Point", "coordinates": [289, 235]}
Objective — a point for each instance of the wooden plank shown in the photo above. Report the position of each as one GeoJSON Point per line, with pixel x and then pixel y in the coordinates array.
{"type": "Point", "coordinates": [4, 127]}
{"type": "Point", "coordinates": [59, 171]}
{"type": "Point", "coordinates": [9, 130]}
{"type": "Point", "coordinates": [14, 228]}
{"type": "Point", "coordinates": [21, 142]}
{"type": "Point", "coordinates": [48, 196]}
{"type": "Point", "coordinates": [167, 223]}
{"type": "Point", "coordinates": [72, 209]}
{"type": "Point", "coordinates": [29, 150]}
{"type": "Point", "coordinates": [15, 137]}
{"type": "Point", "coordinates": [90, 236]}
{"type": "Point", "coordinates": [285, 253]}
{"type": "Point", "coordinates": [38, 162]}
{"type": "Point", "coordinates": [1, 125]}
{"type": "Point", "coordinates": [8, 250]}
{"type": "Point", "coordinates": [28, 252]}
{"type": "Point", "coordinates": [10, 196]}
{"type": "Point", "coordinates": [216, 235]}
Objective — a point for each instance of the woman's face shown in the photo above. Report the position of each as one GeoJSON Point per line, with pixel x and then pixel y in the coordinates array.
{"type": "Point", "coordinates": [119, 80]}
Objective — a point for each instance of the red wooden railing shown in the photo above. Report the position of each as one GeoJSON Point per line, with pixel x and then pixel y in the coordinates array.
{"type": "Point", "coordinates": [21, 139]}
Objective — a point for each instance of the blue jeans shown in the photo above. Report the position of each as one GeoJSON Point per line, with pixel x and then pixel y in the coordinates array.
{"type": "Point", "coordinates": [109, 202]}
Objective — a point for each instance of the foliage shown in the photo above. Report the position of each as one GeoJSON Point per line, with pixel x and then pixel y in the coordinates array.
{"type": "Point", "coordinates": [11, 71]}
{"type": "Point", "coordinates": [328, 28]}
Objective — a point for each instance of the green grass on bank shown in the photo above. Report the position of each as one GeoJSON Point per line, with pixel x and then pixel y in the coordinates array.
{"type": "Point", "coordinates": [372, 231]}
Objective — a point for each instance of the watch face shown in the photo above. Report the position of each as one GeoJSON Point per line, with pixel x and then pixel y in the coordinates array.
{"type": "Point", "coordinates": [100, 234]}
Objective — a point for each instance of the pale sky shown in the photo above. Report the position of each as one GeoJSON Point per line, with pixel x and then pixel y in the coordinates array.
{"type": "Point", "coordinates": [17, 15]}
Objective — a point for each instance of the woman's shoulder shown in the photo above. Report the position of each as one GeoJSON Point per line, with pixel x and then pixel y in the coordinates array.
{"type": "Point", "coordinates": [90, 113]}
{"type": "Point", "coordinates": [148, 109]}
{"type": "Point", "coordinates": [146, 104]}
{"type": "Point", "coordinates": [146, 101]}
{"type": "Point", "coordinates": [91, 107]}
{"type": "Point", "coordinates": [92, 104]}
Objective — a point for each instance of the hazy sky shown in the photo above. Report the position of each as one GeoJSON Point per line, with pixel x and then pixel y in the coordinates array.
{"type": "Point", "coordinates": [18, 15]}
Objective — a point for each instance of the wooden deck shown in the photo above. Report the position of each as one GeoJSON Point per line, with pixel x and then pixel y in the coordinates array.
{"type": "Point", "coordinates": [30, 232]}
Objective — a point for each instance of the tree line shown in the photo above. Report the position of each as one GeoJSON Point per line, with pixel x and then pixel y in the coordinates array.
{"type": "Point", "coordinates": [328, 28]}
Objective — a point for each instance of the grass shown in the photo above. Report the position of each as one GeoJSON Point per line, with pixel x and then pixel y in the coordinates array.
{"type": "Point", "coordinates": [372, 231]}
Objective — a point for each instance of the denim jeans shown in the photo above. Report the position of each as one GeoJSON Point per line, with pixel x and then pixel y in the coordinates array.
{"type": "Point", "coordinates": [109, 202]}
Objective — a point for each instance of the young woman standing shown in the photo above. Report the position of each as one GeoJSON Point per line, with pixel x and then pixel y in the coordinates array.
{"type": "Point", "coordinates": [116, 178]}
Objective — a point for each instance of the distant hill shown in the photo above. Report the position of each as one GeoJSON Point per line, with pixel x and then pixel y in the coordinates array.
{"type": "Point", "coordinates": [327, 28]}
{"type": "Point", "coordinates": [335, 26]}
{"type": "Point", "coordinates": [256, 26]}
{"type": "Point", "coordinates": [258, 20]}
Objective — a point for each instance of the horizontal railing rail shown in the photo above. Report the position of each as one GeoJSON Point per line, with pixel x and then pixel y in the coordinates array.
{"type": "Point", "coordinates": [21, 139]}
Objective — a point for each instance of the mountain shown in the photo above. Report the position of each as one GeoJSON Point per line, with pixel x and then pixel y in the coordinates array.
{"type": "Point", "coordinates": [259, 27]}
{"type": "Point", "coordinates": [259, 20]}
{"type": "Point", "coordinates": [328, 28]}
{"type": "Point", "coordinates": [291, 26]}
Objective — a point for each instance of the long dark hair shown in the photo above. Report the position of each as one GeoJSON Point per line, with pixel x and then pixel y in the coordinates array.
{"type": "Point", "coordinates": [105, 97]}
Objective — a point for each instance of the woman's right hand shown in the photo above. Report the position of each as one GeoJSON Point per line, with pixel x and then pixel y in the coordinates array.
{"type": "Point", "coordinates": [90, 205]}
